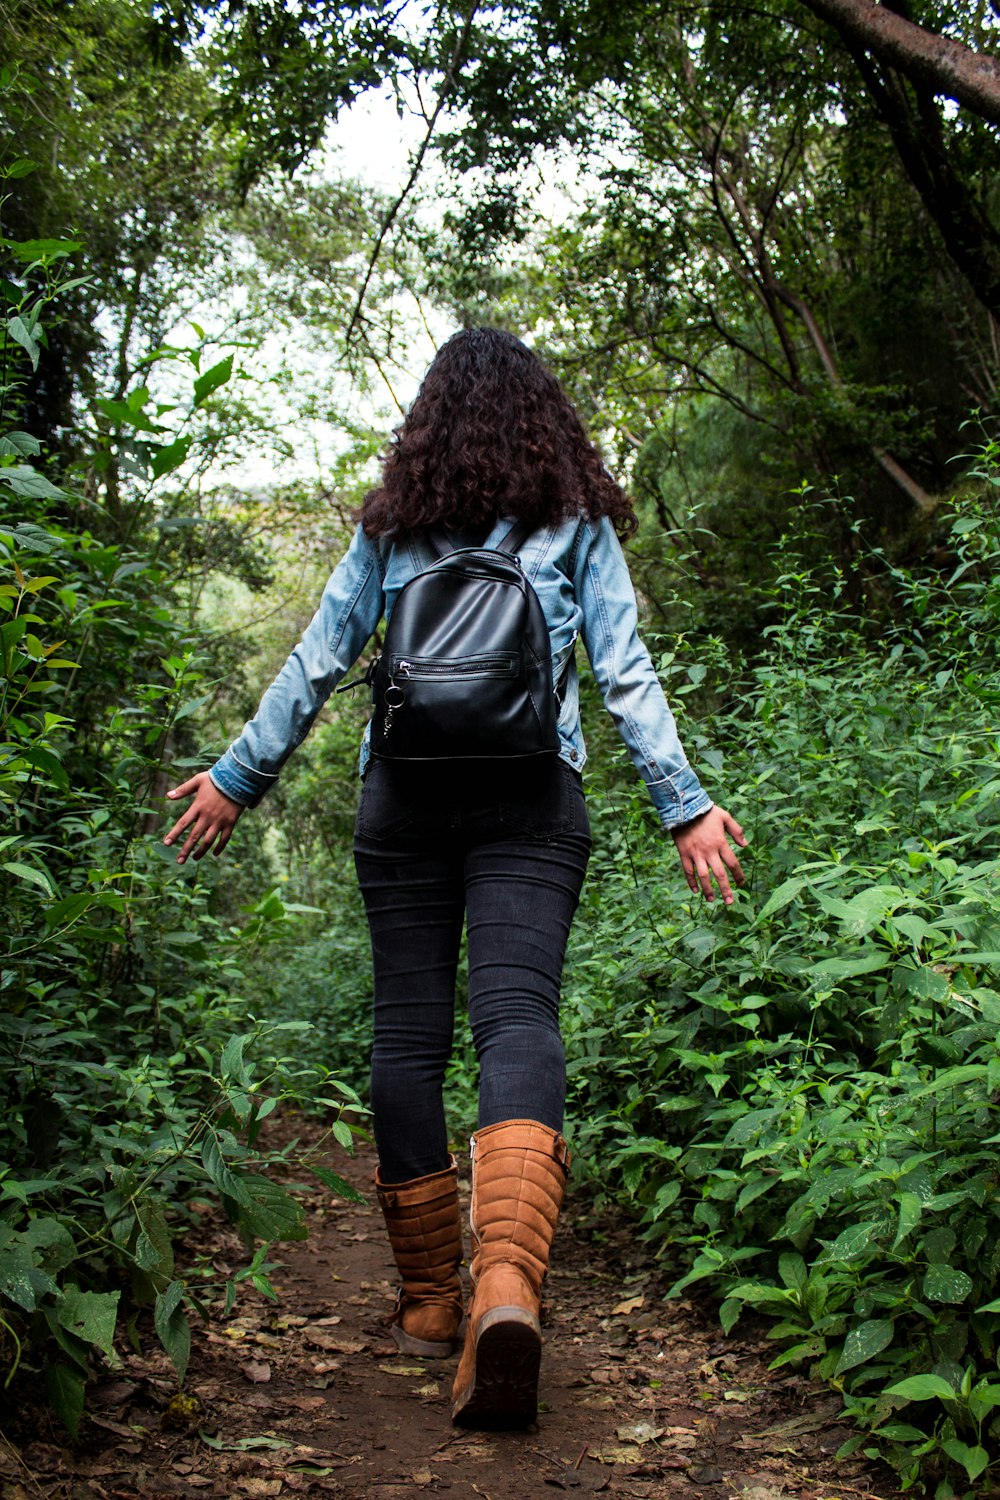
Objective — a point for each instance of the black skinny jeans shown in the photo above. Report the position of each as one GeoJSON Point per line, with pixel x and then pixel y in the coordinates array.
{"type": "Point", "coordinates": [503, 847]}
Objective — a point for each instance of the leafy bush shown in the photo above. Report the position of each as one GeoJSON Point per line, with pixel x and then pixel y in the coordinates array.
{"type": "Point", "coordinates": [800, 1094]}
{"type": "Point", "coordinates": [134, 1078]}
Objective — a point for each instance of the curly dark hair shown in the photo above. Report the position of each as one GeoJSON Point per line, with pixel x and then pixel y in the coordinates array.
{"type": "Point", "coordinates": [491, 433]}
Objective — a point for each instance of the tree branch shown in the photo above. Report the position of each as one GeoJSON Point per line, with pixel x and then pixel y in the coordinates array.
{"type": "Point", "coordinates": [925, 57]}
{"type": "Point", "coordinates": [447, 85]}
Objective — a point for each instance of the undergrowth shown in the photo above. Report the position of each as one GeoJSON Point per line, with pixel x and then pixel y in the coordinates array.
{"type": "Point", "coordinates": [800, 1096]}
{"type": "Point", "coordinates": [135, 1074]}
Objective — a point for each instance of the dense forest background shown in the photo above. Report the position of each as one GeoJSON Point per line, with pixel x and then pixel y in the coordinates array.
{"type": "Point", "coordinates": [761, 247]}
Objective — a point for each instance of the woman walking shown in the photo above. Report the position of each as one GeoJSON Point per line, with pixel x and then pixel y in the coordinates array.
{"type": "Point", "coordinates": [499, 845]}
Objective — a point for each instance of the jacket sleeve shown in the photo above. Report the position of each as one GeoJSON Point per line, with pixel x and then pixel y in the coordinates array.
{"type": "Point", "coordinates": [349, 610]}
{"type": "Point", "coordinates": [627, 681]}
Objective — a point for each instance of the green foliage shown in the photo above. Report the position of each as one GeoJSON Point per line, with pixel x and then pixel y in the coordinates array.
{"type": "Point", "coordinates": [799, 1094]}
{"type": "Point", "coordinates": [135, 1081]}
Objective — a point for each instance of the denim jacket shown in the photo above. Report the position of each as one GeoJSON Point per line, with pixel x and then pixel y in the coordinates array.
{"type": "Point", "coordinates": [579, 573]}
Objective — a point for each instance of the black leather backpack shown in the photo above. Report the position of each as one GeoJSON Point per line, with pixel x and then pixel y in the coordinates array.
{"type": "Point", "coordinates": [465, 672]}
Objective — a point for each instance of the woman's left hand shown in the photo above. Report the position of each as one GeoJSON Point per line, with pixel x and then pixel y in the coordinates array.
{"type": "Point", "coordinates": [705, 852]}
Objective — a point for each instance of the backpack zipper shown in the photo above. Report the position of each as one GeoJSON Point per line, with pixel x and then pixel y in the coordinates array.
{"type": "Point", "coordinates": [505, 664]}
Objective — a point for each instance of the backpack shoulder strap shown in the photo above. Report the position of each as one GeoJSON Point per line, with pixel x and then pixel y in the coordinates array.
{"type": "Point", "coordinates": [515, 538]}
{"type": "Point", "coordinates": [442, 544]}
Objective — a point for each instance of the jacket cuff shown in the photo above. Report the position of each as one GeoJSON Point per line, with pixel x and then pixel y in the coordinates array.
{"type": "Point", "coordinates": [239, 782]}
{"type": "Point", "coordinates": [678, 799]}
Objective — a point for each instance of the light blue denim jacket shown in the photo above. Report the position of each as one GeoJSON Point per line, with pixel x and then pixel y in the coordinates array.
{"type": "Point", "coordinates": [581, 578]}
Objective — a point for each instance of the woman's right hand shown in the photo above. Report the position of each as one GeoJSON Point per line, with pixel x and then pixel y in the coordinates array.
{"type": "Point", "coordinates": [209, 820]}
{"type": "Point", "coordinates": [706, 853]}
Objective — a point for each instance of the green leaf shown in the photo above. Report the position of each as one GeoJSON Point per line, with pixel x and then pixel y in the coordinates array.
{"type": "Point", "coordinates": [16, 1266]}
{"type": "Point", "coordinates": [172, 1327]}
{"type": "Point", "coordinates": [51, 1244]}
{"type": "Point", "coordinates": [70, 907]}
{"type": "Point", "coordinates": [729, 1314]}
{"type": "Point", "coordinates": [863, 1343]}
{"type": "Point", "coordinates": [950, 1078]}
{"type": "Point", "coordinates": [865, 910]}
{"type": "Point", "coordinates": [338, 1185]}
{"type": "Point", "coordinates": [852, 1243]}
{"type": "Point", "coordinates": [924, 983]}
{"type": "Point", "coordinates": [762, 1294]}
{"type": "Point", "coordinates": [91, 1316]}
{"type": "Point", "coordinates": [783, 896]}
{"type": "Point", "coordinates": [848, 968]}
{"type": "Point", "coordinates": [28, 873]}
{"type": "Point", "coordinates": [808, 1349]}
{"type": "Point", "coordinates": [212, 379]}
{"type": "Point", "coordinates": [946, 1284]}
{"type": "Point", "coordinates": [125, 414]}
{"type": "Point", "coordinates": [972, 1460]}
{"type": "Point", "coordinates": [28, 251]}
{"type": "Point", "coordinates": [22, 443]}
{"type": "Point", "coordinates": [270, 1213]}
{"type": "Point", "coordinates": [226, 1180]}
{"type": "Point", "coordinates": [153, 1249]}
{"type": "Point", "coordinates": [232, 1066]}
{"type": "Point", "coordinates": [31, 485]}
{"type": "Point", "coordinates": [244, 1445]}
{"type": "Point", "coordinates": [44, 760]}
{"type": "Point", "coordinates": [18, 330]}
{"type": "Point", "coordinates": [65, 1389]}
{"type": "Point", "coordinates": [793, 1272]}
{"type": "Point", "coordinates": [910, 1209]}
{"type": "Point", "coordinates": [983, 1399]}
{"type": "Point", "coordinates": [170, 456]}
{"type": "Point", "coordinates": [922, 1388]}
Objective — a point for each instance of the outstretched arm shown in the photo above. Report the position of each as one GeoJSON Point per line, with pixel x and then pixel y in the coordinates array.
{"type": "Point", "coordinates": [209, 820]}
{"type": "Point", "coordinates": [706, 853]}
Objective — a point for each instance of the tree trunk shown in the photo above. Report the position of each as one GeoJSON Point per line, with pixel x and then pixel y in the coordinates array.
{"type": "Point", "coordinates": [926, 58]}
{"type": "Point", "coordinates": [914, 124]}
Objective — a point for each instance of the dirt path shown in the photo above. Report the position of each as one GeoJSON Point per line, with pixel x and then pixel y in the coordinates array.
{"type": "Point", "coordinates": [310, 1397]}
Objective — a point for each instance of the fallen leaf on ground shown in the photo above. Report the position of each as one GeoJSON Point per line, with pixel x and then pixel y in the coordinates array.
{"type": "Point", "coordinates": [258, 1371]}
{"type": "Point", "coordinates": [794, 1427]}
{"type": "Point", "coordinates": [118, 1428]}
{"type": "Point", "coordinates": [306, 1403]}
{"type": "Point", "coordinates": [632, 1305]}
{"type": "Point", "coordinates": [640, 1432]}
{"type": "Point", "coordinates": [403, 1369]}
{"type": "Point", "coordinates": [628, 1454]}
{"type": "Point", "coordinates": [320, 1339]}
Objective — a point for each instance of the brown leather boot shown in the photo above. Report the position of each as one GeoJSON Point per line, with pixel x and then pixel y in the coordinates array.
{"type": "Point", "coordinates": [425, 1232]}
{"type": "Point", "coordinates": [518, 1176]}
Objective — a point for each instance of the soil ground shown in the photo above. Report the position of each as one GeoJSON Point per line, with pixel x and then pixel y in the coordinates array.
{"type": "Point", "coordinates": [309, 1396]}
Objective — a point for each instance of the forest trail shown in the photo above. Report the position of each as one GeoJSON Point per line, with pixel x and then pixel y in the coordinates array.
{"type": "Point", "coordinates": [310, 1397]}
